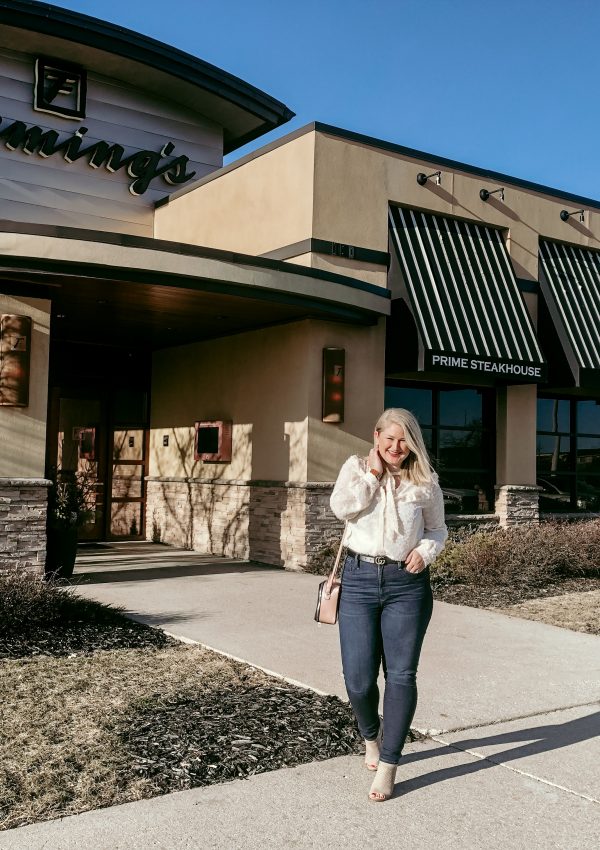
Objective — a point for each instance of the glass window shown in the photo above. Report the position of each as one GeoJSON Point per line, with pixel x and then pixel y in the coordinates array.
{"type": "Point", "coordinates": [555, 494]}
{"type": "Point", "coordinates": [460, 407]}
{"type": "Point", "coordinates": [568, 464]}
{"type": "Point", "coordinates": [588, 455]}
{"type": "Point", "coordinates": [553, 453]}
{"type": "Point", "coordinates": [418, 401]}
{"type": "Point", "coordinates": [428, 437]}
{"type": "Point", "coordinates": [588, 417]}
{"type": "Point", "coordinates": [588, 492]}
{"type": "Point", "coordinates": [553, 415]}
{"type": "Point", "coordinates": [458, 428]}
{"type": "Point", "coordinates": [459, 449]}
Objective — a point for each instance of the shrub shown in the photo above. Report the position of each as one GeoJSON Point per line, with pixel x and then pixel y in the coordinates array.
{"type": "Point", "coordinates": [38, 617]}
{"type": "Point", "coordinates": [533, 555]}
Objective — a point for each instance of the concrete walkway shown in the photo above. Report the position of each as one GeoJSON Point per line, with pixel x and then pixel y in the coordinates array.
{"type": "Point", "coordinates": [512, 708]}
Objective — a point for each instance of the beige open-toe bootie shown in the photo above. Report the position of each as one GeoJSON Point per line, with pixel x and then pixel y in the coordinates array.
{"type": "Point", "coordinates": [372, 749]}
{"type": "Point", "coordinates": [383, 784]}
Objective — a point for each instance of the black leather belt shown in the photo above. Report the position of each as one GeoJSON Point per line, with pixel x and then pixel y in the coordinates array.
{"type": "Point", "coordinates": [380, 560]}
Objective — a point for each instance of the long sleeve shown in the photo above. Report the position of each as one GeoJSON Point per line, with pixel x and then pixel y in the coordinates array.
{"type": "Point", "coordinates": [354, 490]}
{"type": "Point", "coordinates": [435, 532]}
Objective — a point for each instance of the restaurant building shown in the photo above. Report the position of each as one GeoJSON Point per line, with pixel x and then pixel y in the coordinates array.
{"type": "Point", "coordinates": [205, 345]}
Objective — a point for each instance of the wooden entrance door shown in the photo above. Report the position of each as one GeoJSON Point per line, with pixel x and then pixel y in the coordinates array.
{"type": "Point", "coordinates": [127, 485]}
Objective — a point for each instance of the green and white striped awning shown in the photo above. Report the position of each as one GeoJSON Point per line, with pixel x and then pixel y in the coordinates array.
{"type": "Point", "coordinates": [570, 284]}
{"type": "Point", "coordinates": [464, 297]}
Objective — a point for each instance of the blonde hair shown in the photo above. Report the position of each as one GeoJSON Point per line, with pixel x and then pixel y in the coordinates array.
{"type": "Point", "coordinates": [417, 467]}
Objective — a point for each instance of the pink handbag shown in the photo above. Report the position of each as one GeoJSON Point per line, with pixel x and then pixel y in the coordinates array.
{"type": "Point", "coordinates": [328, 597]}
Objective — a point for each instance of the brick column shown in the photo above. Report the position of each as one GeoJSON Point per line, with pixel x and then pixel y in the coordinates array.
{"type": "Point", "coordinates": [23, 509]}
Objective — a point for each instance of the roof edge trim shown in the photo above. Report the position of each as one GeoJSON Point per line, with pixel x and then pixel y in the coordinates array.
{"type": "Point", "coordinates": [83, 29]}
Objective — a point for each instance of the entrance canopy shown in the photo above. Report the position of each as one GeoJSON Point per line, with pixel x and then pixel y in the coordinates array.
{"type": "Point", "coordinates": [570, 283]}
{"type": "Point", "coordinates": [109, 288]}
{"type": "Point", "coordinates": [461, 289]}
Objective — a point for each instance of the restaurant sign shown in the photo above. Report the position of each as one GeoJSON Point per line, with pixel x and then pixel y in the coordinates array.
{"type": "Point", "coordinates": [60, 88]}
{"type": "Point", "coordinates": [496, 368]}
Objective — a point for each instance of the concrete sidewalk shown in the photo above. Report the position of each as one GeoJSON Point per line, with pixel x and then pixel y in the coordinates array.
{"type": "Point", "coordinates": [512, 706]}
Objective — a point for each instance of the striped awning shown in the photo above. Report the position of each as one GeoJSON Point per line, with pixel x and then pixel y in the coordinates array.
{"type": "Point", "coordinates": [464, 297]}
{"type": "Point", "coordinates": [570, 284]}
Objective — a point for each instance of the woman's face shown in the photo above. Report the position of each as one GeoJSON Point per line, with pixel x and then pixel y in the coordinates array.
{"type": "Point", "coordinates": [391, 444]}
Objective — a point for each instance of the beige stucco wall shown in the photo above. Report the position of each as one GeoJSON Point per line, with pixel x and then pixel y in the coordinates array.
{"type": "Point", "coordinates": [328, 444]}
{"type": "Point", "coordinates": [256, 379]}
{"type": "Point", "coordinates": [23, 429]}
{"type": "Point", "coordinates": [516, 435]}
{"type": "Point", "coordinates": [326, 187]}
{"type": "Point", "coordinates": [269, 382]}
{"type": "Point", "coordinates": [354, 183]}
{"type": "Point", "coordinates": [253, 209]}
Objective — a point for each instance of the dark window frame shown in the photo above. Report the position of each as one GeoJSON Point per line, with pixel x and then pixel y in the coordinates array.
{"type": "Point", "coordinates": [487, 471]}
{"type": "Point", "coordinates": [577, 503]}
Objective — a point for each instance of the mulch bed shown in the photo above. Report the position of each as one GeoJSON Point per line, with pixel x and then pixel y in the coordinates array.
{"type": "Point", "coordinates": [480, 596]}
{"type": "Point", "coordinates": [82, 638]}
{"type": "Point", "coordinates": [218, 736]}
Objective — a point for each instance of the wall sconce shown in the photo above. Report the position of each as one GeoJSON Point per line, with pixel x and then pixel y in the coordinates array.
{"type": "Point", "coordinates": [565, 214]}
{"type": "Point", "coordinates": [334, 382]}
{"type": "Point", "coordinates": [15, 351]}
{"type": "Point", "coordinates": [423, 178]}
{"type": "Point", "coordinates": [484, 194]}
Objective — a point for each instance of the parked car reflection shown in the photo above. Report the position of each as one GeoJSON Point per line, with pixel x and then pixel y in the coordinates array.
{"type": "Point", "coordinates": [461, 501]}
{"type": "Point", "coordinates": [555, 499]}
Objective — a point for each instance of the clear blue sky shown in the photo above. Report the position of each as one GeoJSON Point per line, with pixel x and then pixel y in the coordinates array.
{"type": "Point", "coordinates": [512, 86]}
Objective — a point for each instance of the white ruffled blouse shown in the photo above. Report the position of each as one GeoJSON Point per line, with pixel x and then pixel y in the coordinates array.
{"type": "Point", "coordinates": [388, 520]}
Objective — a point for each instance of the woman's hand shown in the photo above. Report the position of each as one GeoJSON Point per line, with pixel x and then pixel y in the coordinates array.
{"type": "Point", "coordinates": [375, 461]}
{"type": "Point", "coordinates": [414, 562]}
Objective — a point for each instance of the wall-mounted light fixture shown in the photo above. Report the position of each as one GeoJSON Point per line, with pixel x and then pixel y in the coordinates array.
{"type": "Point", "coordinates": [423, 178]}
{"type": "Point", "coordinates": [484, 194]}
{"type": "Point", "coordinates": [566, 215]}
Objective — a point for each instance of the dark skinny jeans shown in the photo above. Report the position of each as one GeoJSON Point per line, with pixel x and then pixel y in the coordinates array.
{"type": "Point", "coordinates": [383, 616]}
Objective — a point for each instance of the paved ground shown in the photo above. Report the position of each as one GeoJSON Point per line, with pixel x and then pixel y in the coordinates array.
{"type": "Point", "coordinates": [513, 707]}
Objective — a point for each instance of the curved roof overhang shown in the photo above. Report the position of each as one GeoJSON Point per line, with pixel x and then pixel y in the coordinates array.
{"type": "Point", "coordinates": [242, 110]}
{"type": "Point", "coordinates": [159, 293]}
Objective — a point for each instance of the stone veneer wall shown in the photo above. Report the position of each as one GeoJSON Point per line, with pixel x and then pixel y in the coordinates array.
{"type": "Point", "coordinates": [517, 505]}
{"type": "Point", "coordinates": [280, 523]}
{"type": "Point", "coordinates": [23, 508]}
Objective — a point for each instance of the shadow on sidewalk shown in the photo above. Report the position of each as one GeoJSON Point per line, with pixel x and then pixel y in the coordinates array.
{"type": "Point", "coordinates": [126, 571]}
{"type": "Point", "coordinates": [539, 739]}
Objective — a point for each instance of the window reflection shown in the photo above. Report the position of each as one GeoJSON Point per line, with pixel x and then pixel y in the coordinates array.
{"type": "Point", "coordinates": [553, 453]}
{"type": "Point", "coordinates": [588, 455]}
{"type": "Point", "coordinates": [553, 415]}
{"type": "Point", "coordinates": [588, 493]}
{"type": "Point", "coordinates": [459, 449]}
{"type": "Point", "coordinates": [418, 401]}
{"type": "Point", "coordinates": [555, 492]}
{"type": "Point", "coordinates": [458, 428]}
{"type": "Point", "coordinates": [460, 407]}
{"type": "Point", "coordinates": [588, 417]}
{"type": "Point", "coordinates": [568, 464]}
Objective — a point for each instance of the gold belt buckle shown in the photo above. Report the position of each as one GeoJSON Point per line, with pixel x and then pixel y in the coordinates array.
{"type": "Point", "coordinates": [380, 560]}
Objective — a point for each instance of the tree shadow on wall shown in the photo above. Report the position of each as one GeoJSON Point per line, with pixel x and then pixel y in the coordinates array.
{"type": "Point", "coordinates": [204, 514]}
{"type": "Point", "coordinates": [221, 516]}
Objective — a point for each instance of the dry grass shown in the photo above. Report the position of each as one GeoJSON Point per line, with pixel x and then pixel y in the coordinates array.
{"type": "Point", "coordinates": [60, 751]}
{"type": "Point", "coordinates": [577, 611]}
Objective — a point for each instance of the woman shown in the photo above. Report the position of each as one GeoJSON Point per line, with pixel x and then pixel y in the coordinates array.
{"type": "Point", "coordinates": [394, 510]}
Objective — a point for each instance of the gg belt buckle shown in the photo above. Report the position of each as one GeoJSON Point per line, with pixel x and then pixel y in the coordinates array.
{"type": "Point", "coordinates": [380, 560]}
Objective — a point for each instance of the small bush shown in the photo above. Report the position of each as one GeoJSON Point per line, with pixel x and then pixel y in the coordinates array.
{"type": "Point", "coordinates": [39, 617]}
{"type": "Point", "coordinates": [532, 555]}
